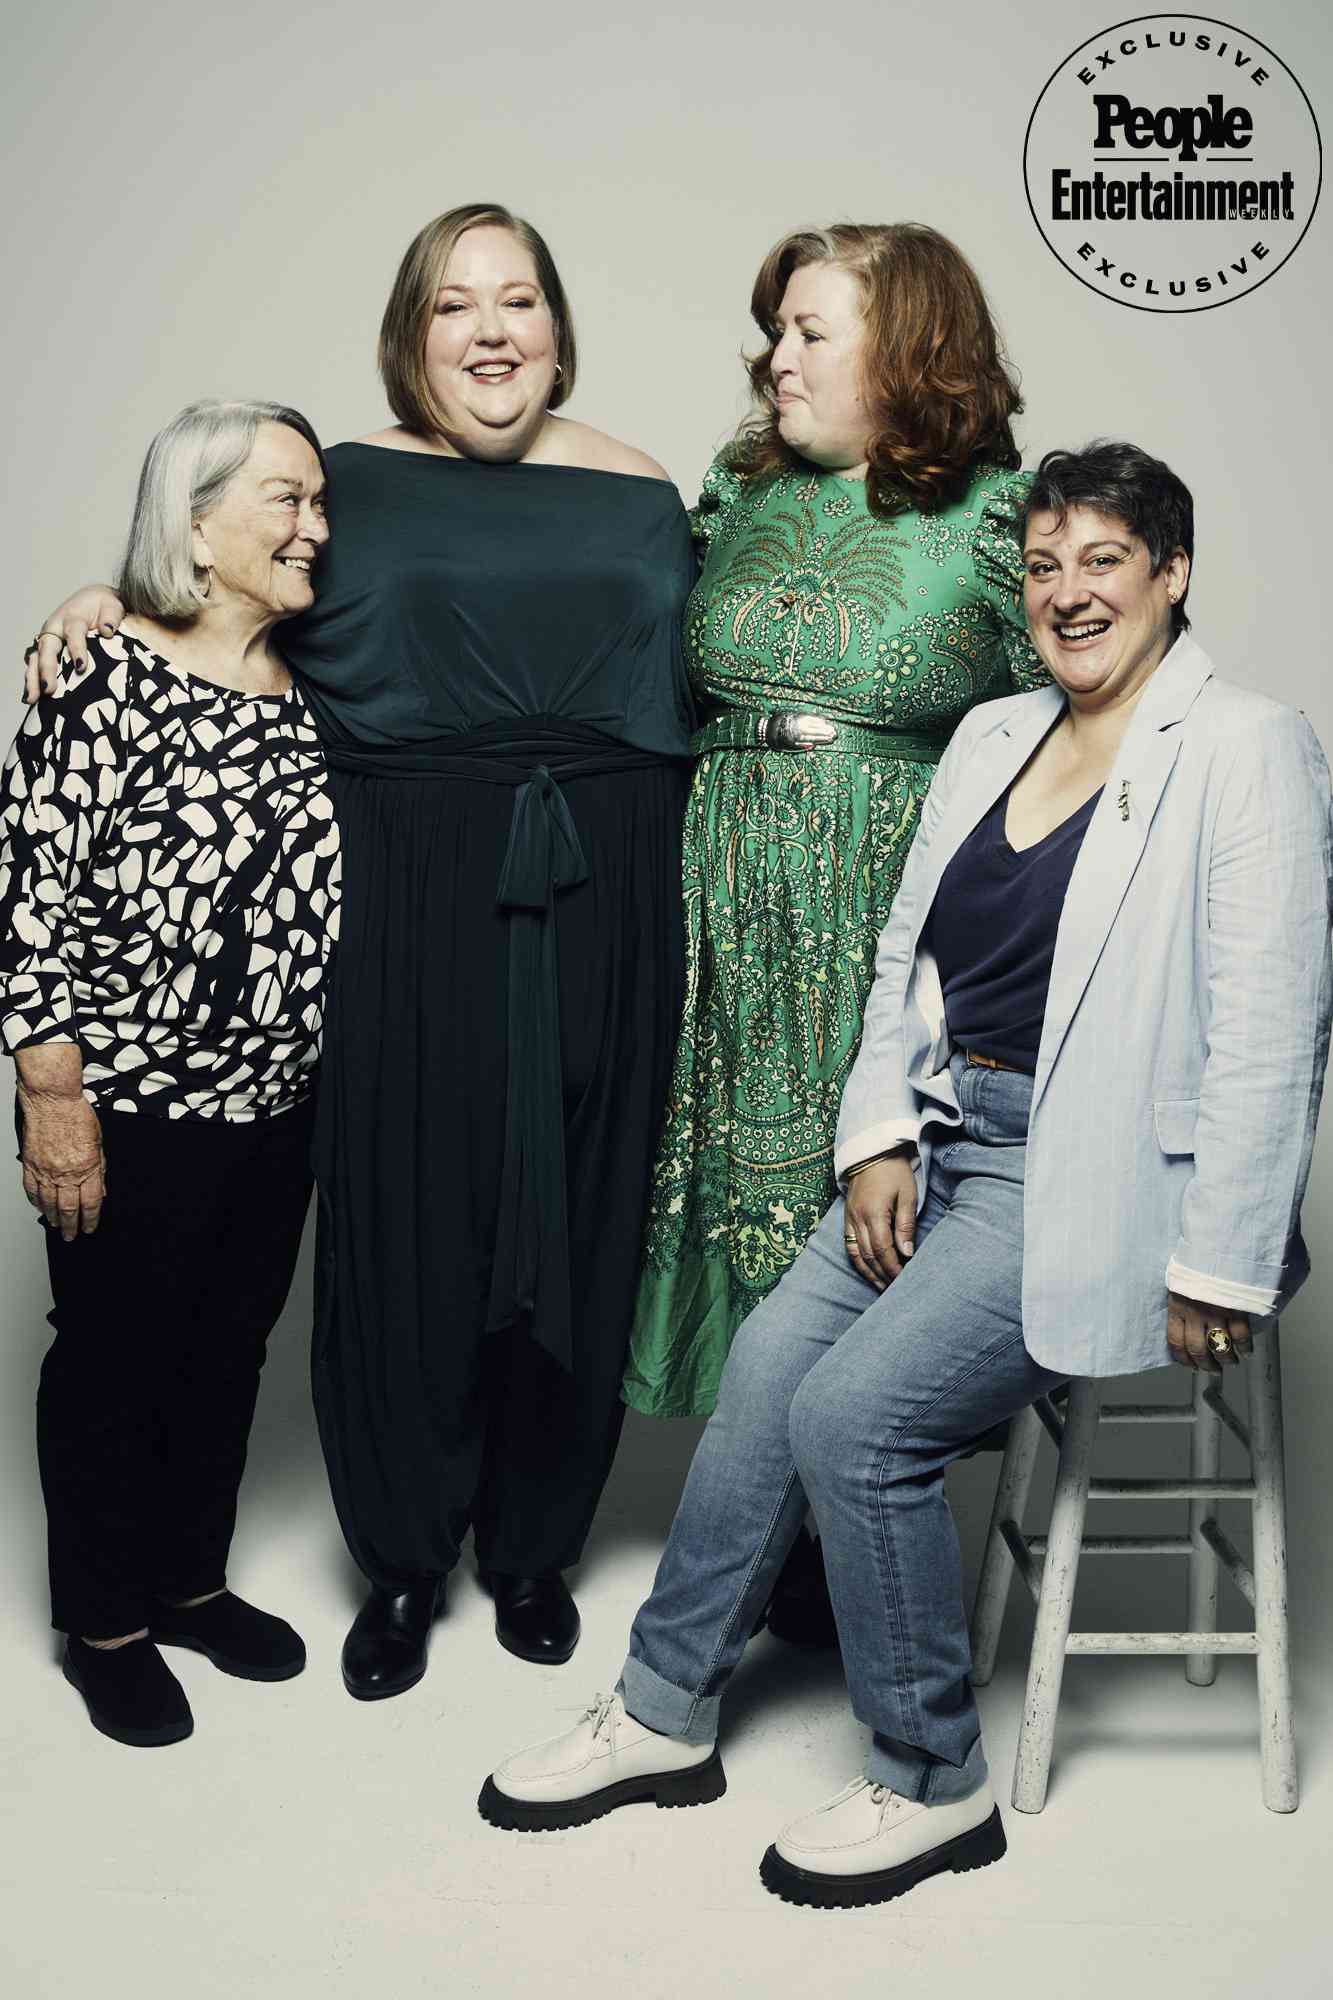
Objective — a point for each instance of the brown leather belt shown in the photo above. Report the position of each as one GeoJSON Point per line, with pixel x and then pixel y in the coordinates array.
{"type": "Point", "coordinates": [992, 1062]}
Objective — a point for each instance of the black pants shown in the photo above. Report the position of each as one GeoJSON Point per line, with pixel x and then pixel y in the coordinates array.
{"type": "Point", "coordinates": [429, 1423]}
{"type": "Point", "coordinates": [149, 1388]}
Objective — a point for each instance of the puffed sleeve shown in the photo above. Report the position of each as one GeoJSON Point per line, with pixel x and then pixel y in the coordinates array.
{"type": "Point", "coordinates": [713, 515]}
{"type": "Point", "coordinates": [60, 783]}
{"type": "Point", "coordinates": [997, 560]}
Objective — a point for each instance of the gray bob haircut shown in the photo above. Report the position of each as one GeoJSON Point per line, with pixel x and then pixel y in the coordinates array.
{"type": "Point", "coordinates": [189, 466]}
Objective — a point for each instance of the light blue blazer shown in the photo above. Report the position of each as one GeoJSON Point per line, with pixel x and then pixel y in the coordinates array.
{"type": "Point", "coordinates": [1187, 1025]}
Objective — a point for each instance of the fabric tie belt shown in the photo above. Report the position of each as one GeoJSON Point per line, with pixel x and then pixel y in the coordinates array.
{"type": "Point", "coordinates": [802, 729]}
{"type": "Point", "coordinates": [530, 1273]}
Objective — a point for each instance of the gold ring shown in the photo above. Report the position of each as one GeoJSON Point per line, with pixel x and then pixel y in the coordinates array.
{"type": "Point", "coordinates": [1219, 1340]}
{"type": "Point", "coordinates": [851, 1242]}
{"type": "Point", "coordinates": [47, 633]}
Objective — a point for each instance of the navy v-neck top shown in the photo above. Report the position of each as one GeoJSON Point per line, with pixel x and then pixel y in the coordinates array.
{"type": "Point", "coordinates": [992, 930]}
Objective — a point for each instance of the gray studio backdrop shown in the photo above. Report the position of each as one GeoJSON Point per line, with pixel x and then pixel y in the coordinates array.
{"type": "Point", "coordinates": [215, 204]}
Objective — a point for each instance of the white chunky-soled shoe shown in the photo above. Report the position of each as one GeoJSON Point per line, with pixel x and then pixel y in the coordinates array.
{"type": "Point", "coordinates": [606, 1760]}
{"type": "Point", "coordinates": [868, 1845]}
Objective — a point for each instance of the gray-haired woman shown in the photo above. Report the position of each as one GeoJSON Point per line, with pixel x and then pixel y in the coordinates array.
{"type": "Point", "coordinates": [169, 886]}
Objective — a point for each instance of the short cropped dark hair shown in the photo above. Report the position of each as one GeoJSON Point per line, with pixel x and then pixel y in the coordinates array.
{"type": "Point", "coordinates": [1124, 482]}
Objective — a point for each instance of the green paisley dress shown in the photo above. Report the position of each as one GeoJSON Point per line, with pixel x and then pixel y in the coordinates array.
{"type": "Point", "coordinates": [806, 600]}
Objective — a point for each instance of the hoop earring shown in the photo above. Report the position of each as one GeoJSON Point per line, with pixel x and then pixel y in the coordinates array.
{"type": "Point", "coordinates": [559, 371]}
{"type": "Point", "coordinates": [207, 583]}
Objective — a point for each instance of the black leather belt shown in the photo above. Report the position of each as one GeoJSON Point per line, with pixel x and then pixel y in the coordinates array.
{"type": "Point", "coordinates": [801, 729]}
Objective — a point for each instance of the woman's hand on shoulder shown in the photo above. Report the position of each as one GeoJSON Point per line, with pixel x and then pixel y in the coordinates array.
{"type": "Point", "coordinates": [94, 608]}
{"type": "Point", "coordinates": [879, 1219]}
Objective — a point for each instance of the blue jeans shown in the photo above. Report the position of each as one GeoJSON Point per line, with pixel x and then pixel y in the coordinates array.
{"type": "Point", "coordinates": [853, 1402]}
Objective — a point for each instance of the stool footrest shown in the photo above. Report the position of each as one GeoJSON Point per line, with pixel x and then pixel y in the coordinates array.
{"type": "Point", "coordinates": [1231, 1558]}
{"type": "Point", "coordinates": [1162, 1642]}
{"type": "Point", "coordinates": [1220, 1407]}
{"type": "Point", "coordinates": [1122, 1545]}
{"type": "Point", "coordinates": [1146, 1413]}
{"type": "Point", "coordinates": [1171, 1489]}
{"type": "Point", "coordinates": [1027, 1568]}
{"type": "Point", "coordinates": [1050, 1419]}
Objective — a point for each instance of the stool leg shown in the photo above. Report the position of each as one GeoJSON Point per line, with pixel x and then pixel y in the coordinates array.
{"type": "Point", "coordinates": [1055, 1606]}
{"type": "Point", "coordinates": [1011, 1493]}
{"type": "Point", "coordinates": [1277, 1740]}
{"type": "Point", "coordinates": [1205, 1462]}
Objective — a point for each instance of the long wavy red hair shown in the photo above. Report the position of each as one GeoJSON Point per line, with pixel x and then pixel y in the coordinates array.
{"type": "Point", "coordinates": [940, 390]}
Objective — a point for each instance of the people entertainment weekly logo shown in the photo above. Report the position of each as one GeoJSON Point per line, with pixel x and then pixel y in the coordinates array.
{"type": "Point", "coordinates": [1173, 163]}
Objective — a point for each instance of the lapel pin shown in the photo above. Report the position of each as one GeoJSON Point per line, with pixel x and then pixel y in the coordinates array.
{"type": "Point", "coordinates": [1123, 800]}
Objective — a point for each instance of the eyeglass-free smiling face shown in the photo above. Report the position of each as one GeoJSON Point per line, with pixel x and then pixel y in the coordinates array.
{"type": "Point", "coordinates": [816, 367]}
{"type": "Point", "coordinates": [490, 349]}
{"type": "Point", "coordinates": [1099, 618]}
{"type": "Point", "coordinates": [262, 539]}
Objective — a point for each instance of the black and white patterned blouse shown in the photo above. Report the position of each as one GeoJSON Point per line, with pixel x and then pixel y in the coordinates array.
{"type": "Point", "coordinates": [169, 887]}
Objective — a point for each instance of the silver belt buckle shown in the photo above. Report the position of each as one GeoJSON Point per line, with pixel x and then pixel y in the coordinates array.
{"type": "Point", "coordinates": [791, 729]}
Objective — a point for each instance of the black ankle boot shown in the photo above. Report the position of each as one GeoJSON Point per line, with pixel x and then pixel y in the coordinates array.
{"type": "Point", "coordinates": [236, 1636]}
{"type": "Point", "coordinates": [799, 1611]}
{"type": "Point", "coordinates": [131, 1693]}
{"type": "Point", "coordinates": [535, 1616]}
{"type": "Point", "coordinates": [384, 1653]}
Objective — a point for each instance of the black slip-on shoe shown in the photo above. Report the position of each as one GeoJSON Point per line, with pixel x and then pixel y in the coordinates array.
{"type": "Point", "coordinates": [130, 1692]}
{"type": "Point", "coordinates": [237, 1637]}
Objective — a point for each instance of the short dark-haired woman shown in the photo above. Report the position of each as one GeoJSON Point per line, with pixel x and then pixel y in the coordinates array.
{"type": "Point", "coordinates": [169, 884]}
{"type": "Point", "coordinates": [1094, 1051]}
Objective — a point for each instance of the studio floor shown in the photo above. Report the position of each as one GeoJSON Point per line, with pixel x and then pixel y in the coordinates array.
{"type": "Point", "coordinates": [301, 1844]}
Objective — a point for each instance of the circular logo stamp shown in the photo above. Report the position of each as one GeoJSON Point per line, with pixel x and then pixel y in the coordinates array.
{"type": "Point", "coordinates": [1173, 163]}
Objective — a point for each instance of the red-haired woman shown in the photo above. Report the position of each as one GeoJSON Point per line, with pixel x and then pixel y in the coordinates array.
{"type": "Point", "coordinates": [860, 591]}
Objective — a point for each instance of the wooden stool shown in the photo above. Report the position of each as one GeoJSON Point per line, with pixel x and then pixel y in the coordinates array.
{"type": "Point", "coordinates": [1048, 1564]}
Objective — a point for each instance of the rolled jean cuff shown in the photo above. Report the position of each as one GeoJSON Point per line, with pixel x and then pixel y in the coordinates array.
{"type": "Point", "coordinates": [670, 1710]}
{"type": "Point", "coordinates": [928, 1780]}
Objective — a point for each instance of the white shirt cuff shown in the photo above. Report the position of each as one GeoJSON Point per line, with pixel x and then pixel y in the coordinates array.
{"type": "Point", "coordinates": [1257, 1299]}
